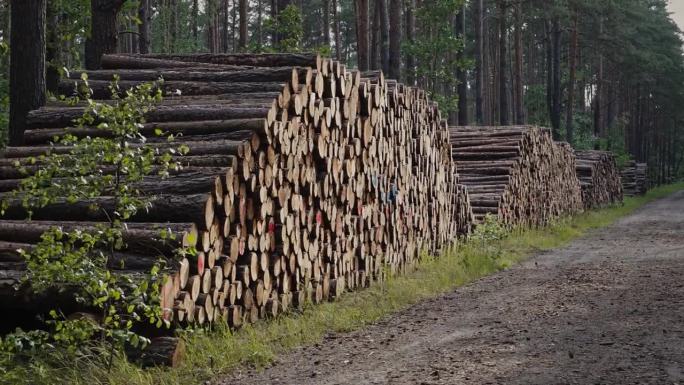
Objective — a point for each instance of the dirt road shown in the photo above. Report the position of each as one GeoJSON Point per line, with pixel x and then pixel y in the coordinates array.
{"type": "Point", "coordinates": [607, 309]}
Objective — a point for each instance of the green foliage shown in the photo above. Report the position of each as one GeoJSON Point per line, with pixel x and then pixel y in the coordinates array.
{"type": "Point", "coordinates": [78, 261]}
{"type": "Point", "coordinates": [435, 50]}
{"type": "Point", "coordinates": [288, 26]}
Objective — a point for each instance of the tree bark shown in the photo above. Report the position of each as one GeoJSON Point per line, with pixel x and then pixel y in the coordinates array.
{"type": "Point", "coordinates": [243, 25]}
{"type": "Point", "coordinates": [395, 39]}
{"type": "Point", "coordinates": [103, 32]}
{"type": "Point", "coordinates": [27, 64]}
{"type": "Point", "coordinates": [326, 23]}
{"type": "Point", "coordinates": [571, 83]}
{"type": "Point", "coordinates": [144, 26]}
{"type": "Point", "coordinates": [504, 102]}
{"type": "Point", "coordinates": [195, 22]}
{"type": "Point", "coordinates": [384, 36]}
{"type": "Point", "coordinates": [410, 37]}
{"type": "Point", "coordinates": [461, 73]}
{"type": "Point", "coordinates": [518, 82]}
{"type": "Point", "coordinates": [479, 62]}
{"type": "Point", "coordinates": [362, 51]}
{"type": "Point", "coordinates": [556, 99]}
{"type": "Point", "coordinates": [338, 38]}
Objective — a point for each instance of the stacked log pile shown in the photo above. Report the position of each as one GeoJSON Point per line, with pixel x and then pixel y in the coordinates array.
{"type": "Point", "coordinates": [303, 180]}
{"type": "Point", "coordinates": [599, 177]}
{"type": "Point", "coordinates": [635, 178]}
{"type": "Point", "coordinates": [518, 174]}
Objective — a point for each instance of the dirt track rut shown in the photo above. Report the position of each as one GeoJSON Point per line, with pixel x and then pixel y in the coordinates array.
{"type": "Point", "coordinates": [606, 309]}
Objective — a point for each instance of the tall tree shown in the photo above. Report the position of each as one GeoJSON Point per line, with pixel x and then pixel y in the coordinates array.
{"type": "Point", "coordinates": [326, 23]}
{"type": "Point", "coordinates": [504, 103]}
{"type": "Point", "coordinates": [104, 33]}
{"type": "Point", "coordinates": [27, 64]}
{"type": "Point", "coordinates": [395, 30]}
{"type": "Point", "coordinates": [519, 108]}
{"type": "Point", "coordinates": [338, 38]}
{"type": "Point", "coordinates": [556, 95]}
{"type": "Point", "coordinates": [572, 65]}
{"type": "Point", "coordinates": [383, 17]}
{"type": "Point", "coordinates": [479, 60]}
{"type": "Point", "coordinates": [362, 38]}
{"type": "Point", "coordinates": [461, 73]}
{"type": "Point", "coordinates": [243, 25]}
{"type": "Point", "coordinates": [410, 40]}
{"type": "Point", "coordinates": [195, 22]}
{"type": "Point", "coordinates": [145, 17]}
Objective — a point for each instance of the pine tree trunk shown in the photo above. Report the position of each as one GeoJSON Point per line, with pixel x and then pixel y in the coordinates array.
{"type": "Point", "coordinates": [395, 39]}
{"type": "Point", "coordinates": [461, 73]}
{"type": "Point", "coordinates": [27, 65]}
{"type": "Point", "coordinates": [225, 16]}
{"type": "Point", "coordinates": [479, 61]}
{"type": "Point", "coordinates": [376, 41]}
{"type": "Point", "coordinates": [504, 103]}
{"type": "Point", "coordinates": [104, 33]}
{"type": "Point", "coordinates": [556, 116]}
{"type": "Point", "coordinates": [326, 23]}
{"type": "Point", "coordinates": [548, 41]}
{"type": "Point", "coordinates": [384, 36]}
{"type": "Point", "coordinates": [518, 83]}
{"type": "Point", "coordinates": [195, 22]}
{"type": "Point", "coordinates": [338, 39]}
{"type": "Point", "coordinates": [571, 83]}
{"type": "Point", "coordinates": [144, 26]}
{"type": "Point", "coordinates": [362, 40]}
{"type": "Point", "coordinates": [410, 37]}
{"type": "Point", "coordinates": [243, 25]}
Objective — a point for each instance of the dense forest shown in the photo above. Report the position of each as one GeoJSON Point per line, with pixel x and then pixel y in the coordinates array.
{"type": "Point", "coordinates": [602, 74]}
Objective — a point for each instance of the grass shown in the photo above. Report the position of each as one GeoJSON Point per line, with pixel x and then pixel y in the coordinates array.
{"type": "Point", "coordinates": [213, 353]}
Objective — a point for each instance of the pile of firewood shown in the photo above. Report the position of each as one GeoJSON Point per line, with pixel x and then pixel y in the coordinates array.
{"type": "Point", "coordinates": [518, 174]}
{"type": "Point", "coordinates": [304, 180]}
{"type": "Point", "coordinates": [599, 177]}
{"type": "Point", "coordinates": [635, 178]}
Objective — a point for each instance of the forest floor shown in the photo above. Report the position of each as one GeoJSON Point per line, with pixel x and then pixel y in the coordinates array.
{"type": "Point", "coordinates": [606, 309]}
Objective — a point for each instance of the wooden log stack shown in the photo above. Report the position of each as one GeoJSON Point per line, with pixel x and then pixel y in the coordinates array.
{"type": "Point", "coordinates": [635, 178]}
{"type": "Point", "coordinates": [518, 174]}
{"type": "Point", "coordinates": [304, 180]}
{"type": "Point", "coordinates": [599, 177]}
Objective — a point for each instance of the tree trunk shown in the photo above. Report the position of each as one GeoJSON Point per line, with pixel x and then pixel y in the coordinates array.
{"type": "Point", "coordinates": [461, 73]}
{"type": "Point", "coordinates": [338, 39]}
{"type": "Point", "coordinates": [571, 83]}
{"type": "Point", "coordinates": [504, 103]}
{"type": "Point", "coordinates": [243, 25]}
{"type": "Point", "coordinates": [260, 24]}
{"type": "Point", "coordinates": [410, 37]}
{"type": "Point", "coordinates": [384, 36]}
{"type": "Point", "coordinates": [362, 40]}
{"type": "Point", "coordinates": [556, 115]}
{"type": "Point", "coordinates": [27, 64]}
{"type": "Point", "coordinates": [395, 39]}
{"type": "Point", "coordinates": [598, 99]}
{"type": "Point", "coordinates": [144, 26]}
{"type": "Point", "coordinates": [103, 33]}
{"type": "Point", "coordinates": [225, 16]}
{"type": "Point", "coordinates": [479, 61]}
{"type": "Point", "coordinates": [549, 66]}
{"type": "Point", "coordinates": [518, 83]}
{"type": "Point", "coordinates": [326, 23]}
{"type": "Point", "coordinates": [376, 43]}
{"type": "Point", "coordinates": [195, 22]}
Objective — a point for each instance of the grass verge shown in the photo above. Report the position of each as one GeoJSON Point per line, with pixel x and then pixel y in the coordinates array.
{"type": "Point", "coordinates": [213, 353]}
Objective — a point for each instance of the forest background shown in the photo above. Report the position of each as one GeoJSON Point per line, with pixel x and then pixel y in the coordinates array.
{"type": "Point", "coordinates": [602, 74]}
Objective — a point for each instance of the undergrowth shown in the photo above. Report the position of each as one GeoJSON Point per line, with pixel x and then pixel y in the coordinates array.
{"type": "Point", "coordinates": [215, 352]}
